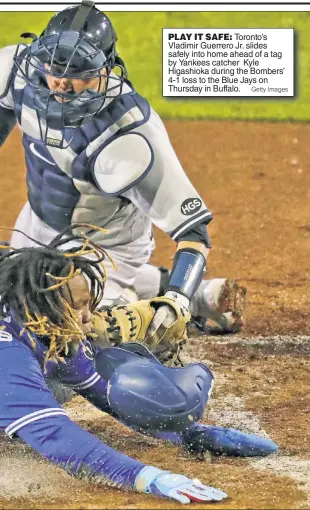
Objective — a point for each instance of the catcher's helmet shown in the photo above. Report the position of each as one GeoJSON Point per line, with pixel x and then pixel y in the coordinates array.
{"type": "Point", "coordinates": [78, 43]}
{"type": "Point", "coordinates": [149, 396]}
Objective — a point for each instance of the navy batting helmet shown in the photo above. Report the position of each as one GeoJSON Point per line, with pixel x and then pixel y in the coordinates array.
{"type": "Point", "coordinates": [150, 396]}
{"type": "Point", "coordinates": [78, 43]}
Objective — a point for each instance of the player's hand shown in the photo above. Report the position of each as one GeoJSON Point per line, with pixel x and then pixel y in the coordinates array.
{"type": "Point", "coordinates": [177, 487]}
{"type": "Point", "coordinates": [184, 490]}
{"type": "Point", "coordinates": [165, 315]}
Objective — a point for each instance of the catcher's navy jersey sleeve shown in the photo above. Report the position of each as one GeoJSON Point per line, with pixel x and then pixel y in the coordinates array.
{"type": "Point", "coordinates": [28, 409]}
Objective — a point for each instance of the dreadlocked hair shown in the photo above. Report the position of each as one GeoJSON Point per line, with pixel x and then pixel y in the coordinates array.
{"type": "Point", "coordinates": [32, 281]}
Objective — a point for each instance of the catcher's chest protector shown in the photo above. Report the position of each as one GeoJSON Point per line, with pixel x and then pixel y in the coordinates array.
{"type": "Point", "coordinates": [60, 184]}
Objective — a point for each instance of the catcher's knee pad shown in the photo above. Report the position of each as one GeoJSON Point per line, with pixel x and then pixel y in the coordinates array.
{"type": "Point", "coordinates": [151, 281]}
{"type": "Point", "coordinates": [150, 396]}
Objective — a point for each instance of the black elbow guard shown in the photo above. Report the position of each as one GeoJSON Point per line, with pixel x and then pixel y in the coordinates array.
{"type": "Point", "coordinates": [188, 270]}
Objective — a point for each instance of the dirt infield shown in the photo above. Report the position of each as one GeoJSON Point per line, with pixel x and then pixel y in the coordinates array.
{"type": "Point", "coordinates": [255, 179]}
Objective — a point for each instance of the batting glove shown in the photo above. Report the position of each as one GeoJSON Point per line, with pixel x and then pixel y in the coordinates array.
{"type": "Point", "coordinates": [164, 483]}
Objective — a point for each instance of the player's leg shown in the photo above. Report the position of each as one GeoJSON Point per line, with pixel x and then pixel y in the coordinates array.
{"type": "Point", "coordinates": [134, 402]}
{"type": "Point", "coordinates": [223, 301]}
{"type": "Point", "coordinates": [200, 438]}
{"type": "Point", "coordinates": [28, 223]}
{"type": "Point", "coordinates": [124, 257]}
{"type": "Point", "coordinates": [128, 257]}
{"type": "Point", "coordinates": [220, 299]}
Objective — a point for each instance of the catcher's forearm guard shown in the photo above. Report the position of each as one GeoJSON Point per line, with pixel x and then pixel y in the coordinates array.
{"type": "Point", "coordinates": [189, 267]}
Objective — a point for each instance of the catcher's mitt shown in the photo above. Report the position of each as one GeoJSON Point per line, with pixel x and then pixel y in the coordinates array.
{"type": "Point", "coordinates": [129, 323]}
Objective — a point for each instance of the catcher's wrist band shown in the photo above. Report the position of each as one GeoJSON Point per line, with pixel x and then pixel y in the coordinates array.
{"type": "Point", "coordinates": [188, 270]}
{"type": "Point", "coordinates": [181, 299]}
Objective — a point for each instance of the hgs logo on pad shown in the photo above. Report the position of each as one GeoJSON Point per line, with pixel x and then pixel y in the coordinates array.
{"type": "Point", "coordinates": [190, 206]}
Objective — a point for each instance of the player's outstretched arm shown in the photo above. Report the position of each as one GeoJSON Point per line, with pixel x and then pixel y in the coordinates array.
{"type": "Point", "coordinates": [28, 409]}
{"type": "Point", "coordinates": [82, 454]}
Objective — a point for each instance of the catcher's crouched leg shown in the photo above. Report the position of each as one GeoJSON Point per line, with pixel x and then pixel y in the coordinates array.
{"type": "Point", "coordinates": [221, 300]}
{"type": "Point", "coordinates": [151, 281]}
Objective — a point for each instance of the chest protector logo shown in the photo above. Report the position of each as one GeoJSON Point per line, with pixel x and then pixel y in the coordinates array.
{"type": "Point", "coordinates": [190, 206]}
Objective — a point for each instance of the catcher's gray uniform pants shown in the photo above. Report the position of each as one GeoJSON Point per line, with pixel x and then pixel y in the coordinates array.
{"type": "Point", "coordinates": [130, 256]}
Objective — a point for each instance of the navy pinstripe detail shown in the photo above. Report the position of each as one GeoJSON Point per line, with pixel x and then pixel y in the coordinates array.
{"type": "Point", "coordinates": [204, 216]}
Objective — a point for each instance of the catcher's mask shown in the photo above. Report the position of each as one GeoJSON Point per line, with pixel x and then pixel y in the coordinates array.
{"type": "Point", "coordinates": [150, 396]}
{"type": "Point", "coordinates": [78, 43]}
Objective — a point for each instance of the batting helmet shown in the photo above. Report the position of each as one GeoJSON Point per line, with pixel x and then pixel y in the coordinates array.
{"type": "Point", "coordinates": [150, 396]}
{"type": "Point", "coordinates": [78, 43]}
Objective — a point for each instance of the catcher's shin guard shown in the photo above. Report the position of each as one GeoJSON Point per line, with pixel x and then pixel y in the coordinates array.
{"type": "Point", "coordinates": [227, 441]}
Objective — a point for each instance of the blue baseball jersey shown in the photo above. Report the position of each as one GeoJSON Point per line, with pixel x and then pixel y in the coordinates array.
{"type": "Point", "coordinates": [29, 410]}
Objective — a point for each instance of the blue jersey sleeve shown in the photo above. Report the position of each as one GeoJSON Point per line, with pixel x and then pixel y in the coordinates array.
{"type": "Point", "coordinates": [28, 409]}
{"type": "Point", "coordinates": [24, 396]}
{"type": "Point", "coordinates": [79, 374]}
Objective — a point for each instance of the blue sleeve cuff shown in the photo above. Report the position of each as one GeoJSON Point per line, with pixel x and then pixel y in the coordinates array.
{"type": "Point", "coordinates": [146, 477]}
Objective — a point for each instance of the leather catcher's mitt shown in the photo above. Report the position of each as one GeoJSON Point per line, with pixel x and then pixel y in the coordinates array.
{"type": "Point", "coordinates": [129, 323]}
